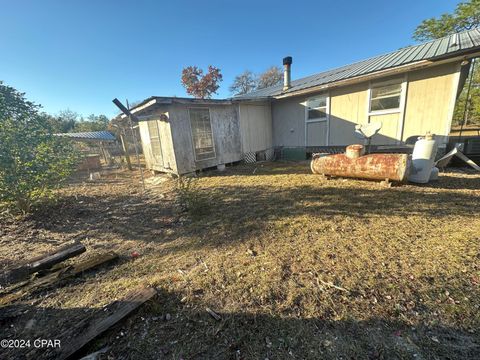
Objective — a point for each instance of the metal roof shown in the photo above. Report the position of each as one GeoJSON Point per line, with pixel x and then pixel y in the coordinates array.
{"type": "Point", "coordinates": [448, 46]}
{"type": "Point", "coordinates": [167, 100]}
{"type": "Point", "coordinates": [90, 136]}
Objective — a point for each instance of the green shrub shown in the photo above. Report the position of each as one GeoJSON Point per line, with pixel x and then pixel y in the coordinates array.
{"type": "Point", "coordinates": [191, 198]}
{"type": "Point", "coordinates": [32, 160]}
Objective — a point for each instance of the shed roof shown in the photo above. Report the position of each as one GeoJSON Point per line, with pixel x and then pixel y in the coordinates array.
{"type": "Point", "coordinates": [167, 100]}
{"type": "Point", "coordinates": [449, 46]}
{"type": "Point", "coordinates": [90, 136]}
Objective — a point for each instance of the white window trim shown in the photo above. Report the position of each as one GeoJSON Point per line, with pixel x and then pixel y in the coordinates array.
{"type": "Point", "coordinates": [319, 120]}
{"type": "Point", "coordinates": [373, 85]}
{"type": "Point", "coordinates": [400, 111]}
{"type": "Point", "coordinates": [191, 134]}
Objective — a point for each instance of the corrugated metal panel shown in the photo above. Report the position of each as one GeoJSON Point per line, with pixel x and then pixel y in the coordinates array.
{"type": "Point", "coordinates": [446, 46]}
{"type": "Point", "coordinates": [92, 135]}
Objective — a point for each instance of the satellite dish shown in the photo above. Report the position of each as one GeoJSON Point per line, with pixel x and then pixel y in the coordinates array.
{"type": "Point", "coordinates": [366, 131]}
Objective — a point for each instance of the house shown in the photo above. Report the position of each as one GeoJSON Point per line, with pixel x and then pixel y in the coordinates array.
{"type": "Point", "coordinates": [410, 91]}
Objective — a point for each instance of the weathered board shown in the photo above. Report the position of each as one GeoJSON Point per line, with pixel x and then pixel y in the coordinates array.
{"type": "Point", "coordinates": [44, 282]}
{"type": "Point", "coordinates": [43, 262]}
{"type": "Point", "coordinates": [86, 330]}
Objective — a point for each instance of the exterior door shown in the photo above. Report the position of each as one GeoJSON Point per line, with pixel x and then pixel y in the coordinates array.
{"type": "Point", "coordinates": [316, 121]}
{"type": "Point", "coordinates": [155, 143]}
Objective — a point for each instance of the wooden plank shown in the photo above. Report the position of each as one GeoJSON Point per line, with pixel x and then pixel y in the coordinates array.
{"type": "Point", "coordinates": [44, 262]}
{"type": "Point", "coordinates": [82, 332]}
{"type": "Point", "coordinates": [51, 279]}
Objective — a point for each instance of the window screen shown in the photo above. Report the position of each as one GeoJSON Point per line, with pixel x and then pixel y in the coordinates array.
{"type": "Point", "coordinates": [202, 134]}
{"type": "Point", "coordinates": [385, 97]}
{"type": "Point", "coordinates": [317, 108]}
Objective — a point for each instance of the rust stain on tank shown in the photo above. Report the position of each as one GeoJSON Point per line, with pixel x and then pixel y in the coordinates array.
{"type": "Point", "coordinates": [373, 166]}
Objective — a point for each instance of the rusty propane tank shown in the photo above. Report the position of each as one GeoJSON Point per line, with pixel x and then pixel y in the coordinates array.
{"type": "Point", "coordinates": [354, 151]}
{"type": "Point", "coordinates": [393, 167]}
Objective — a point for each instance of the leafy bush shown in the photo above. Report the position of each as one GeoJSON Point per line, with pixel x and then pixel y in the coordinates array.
{"type": "Point", "coordinates": [32, 160]}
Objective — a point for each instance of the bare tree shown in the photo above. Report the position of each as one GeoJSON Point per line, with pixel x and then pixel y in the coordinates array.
{"type": "Point", "coordinates": [272, 76]}
{"type": "Point", "coordinates": [243, 83]}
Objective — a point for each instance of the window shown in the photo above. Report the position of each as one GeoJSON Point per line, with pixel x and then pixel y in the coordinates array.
{"type": "Point", "coordinates": [202, 134]}
{"type": "Point", "coordinates": [317, 108]}
{"type": "Point", "coordinates": [385, 97]}
{"type": "Point", "coordinates": [155, 139]}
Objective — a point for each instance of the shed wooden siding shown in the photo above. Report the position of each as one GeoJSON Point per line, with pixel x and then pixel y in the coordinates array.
{"type": "Point", "coordinates": [429, 102]}
{"type": "Point", "coordinates": [255, 126]}
{"type": "Point", "coordinates": [166, 141]}
{"type": "Point", "coordinates": [226, 136]}
{"type": "Point", "coordinates": [169, 163]}
{"type": "Point", "coordinates": [145, 140]}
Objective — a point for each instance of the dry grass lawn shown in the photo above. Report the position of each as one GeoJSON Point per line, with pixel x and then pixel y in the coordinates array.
{"type": "Point", "coordinates": [297, 267]}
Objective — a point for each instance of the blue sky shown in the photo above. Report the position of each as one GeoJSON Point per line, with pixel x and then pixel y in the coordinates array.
{"type": "Point", "coordinates": [81, 54]}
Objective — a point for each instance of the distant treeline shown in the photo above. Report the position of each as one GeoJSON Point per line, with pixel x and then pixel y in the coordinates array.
{"type": "Point", "coordinates": [472, 113]}
{"type": "Point", "coordinates": [70, 121]}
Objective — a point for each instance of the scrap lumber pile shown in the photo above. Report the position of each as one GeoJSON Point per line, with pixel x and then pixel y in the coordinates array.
{"type": "Point", "coordinates": [48, 271]}
{"type": "Point", "coordinates": [42, 262]}
{"type": "Point", "coordinates": [81, 333]}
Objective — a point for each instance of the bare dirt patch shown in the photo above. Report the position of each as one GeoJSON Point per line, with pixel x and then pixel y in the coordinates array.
{"type": "Point", "coordinates": [296, 266]}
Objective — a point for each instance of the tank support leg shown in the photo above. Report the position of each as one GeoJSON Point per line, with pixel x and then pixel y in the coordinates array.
{"type": "Point", "coordinates": [386, 183]}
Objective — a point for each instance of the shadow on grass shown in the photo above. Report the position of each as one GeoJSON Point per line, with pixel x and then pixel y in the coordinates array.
{"type": "Point", "coordinates": [238, 212]}
{"type": "Point", "coordinates": [189, 332]}
{"type": "Point", "coordinates": [450, 182]}
{"type": "Point", "coordinates": [245, 210]}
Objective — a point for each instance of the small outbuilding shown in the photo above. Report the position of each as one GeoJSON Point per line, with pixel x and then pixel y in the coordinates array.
{"type": "Point", "coordinates": [182, 135]}
{"type": "Point", "coordinates": [101, 142]}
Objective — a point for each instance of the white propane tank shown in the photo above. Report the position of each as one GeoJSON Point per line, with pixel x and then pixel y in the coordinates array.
{"type": "Point", "coordinates": [434, 174]}
{"type": "Point", "coordinates": [423, 158]}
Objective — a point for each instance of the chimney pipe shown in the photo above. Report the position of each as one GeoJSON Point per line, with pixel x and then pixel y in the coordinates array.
{"type": "Point", "coordinates": [287, 61]}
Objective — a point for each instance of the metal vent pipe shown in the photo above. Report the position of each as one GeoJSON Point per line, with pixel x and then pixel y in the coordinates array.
{"type": "Point", "coordinates": [287, 62]}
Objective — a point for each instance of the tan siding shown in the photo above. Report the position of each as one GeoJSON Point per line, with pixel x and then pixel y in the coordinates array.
{"type": "Point", "coordinates": [348, 107]}
{"type": "Point", "coordinates": [255, 126]}
{"type": "Point", "coordinates": [387, 134]}
{"type": "Point", "coordinates": [429, 98]}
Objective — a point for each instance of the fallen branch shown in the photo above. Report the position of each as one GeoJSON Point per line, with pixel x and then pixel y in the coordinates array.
{"type": "Point", "coordinates": [213, 314]}
{"type": "Point", "coordinates": [332, 285]}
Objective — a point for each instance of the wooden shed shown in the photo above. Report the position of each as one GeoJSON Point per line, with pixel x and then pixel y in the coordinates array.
{"type": "Point", "coordinates": [182, 135]}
